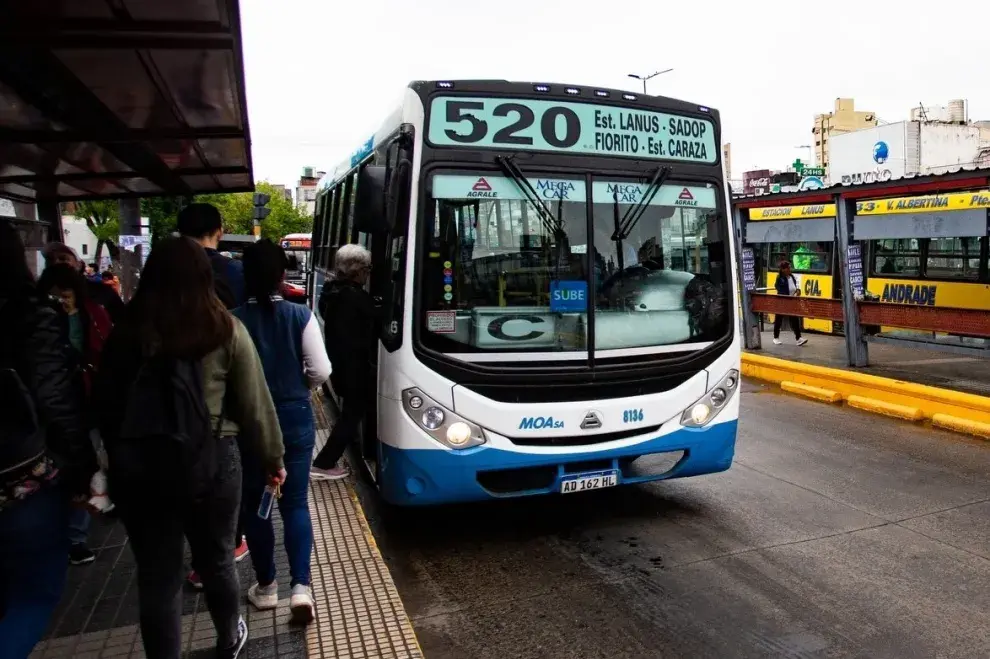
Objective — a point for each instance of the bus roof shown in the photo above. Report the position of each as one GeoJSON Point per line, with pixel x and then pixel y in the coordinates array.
{"type": "Point", "coordinates": [298, 236]}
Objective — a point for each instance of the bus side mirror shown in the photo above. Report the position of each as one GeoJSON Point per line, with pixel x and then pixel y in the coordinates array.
{"type": "Point", "coordinates": [369, 206]}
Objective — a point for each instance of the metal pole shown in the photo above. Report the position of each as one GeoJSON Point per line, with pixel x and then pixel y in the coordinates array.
{"type": "Point", "coordinates": [857, 350]}
{"type": "Point", "coordinates": [130, 259]}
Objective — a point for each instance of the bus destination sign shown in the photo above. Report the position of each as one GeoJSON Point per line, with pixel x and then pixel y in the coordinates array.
{"type": "Point", "coordinates": [545, 125]}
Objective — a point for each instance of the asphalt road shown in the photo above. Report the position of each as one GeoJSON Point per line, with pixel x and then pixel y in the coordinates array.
{"type": "Point", "coordinates": [835, 534]}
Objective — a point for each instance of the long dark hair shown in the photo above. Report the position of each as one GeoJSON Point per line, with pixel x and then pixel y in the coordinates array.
{"type": "Point", "coordinates": [264, 267]}
{"type": "Point", "coordinates": [175, 310]}
{"type": "Point", "coordinates": [15, 275]}
{"type": "Point", "coordinates": [65, 277]}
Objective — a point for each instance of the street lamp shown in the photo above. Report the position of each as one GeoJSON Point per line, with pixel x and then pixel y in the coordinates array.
{"type": "Point", "coordinates": [649, 77]}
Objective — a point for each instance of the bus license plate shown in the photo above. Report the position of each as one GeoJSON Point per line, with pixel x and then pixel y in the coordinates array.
{"type": "Point", "coordinates": [593, 481]}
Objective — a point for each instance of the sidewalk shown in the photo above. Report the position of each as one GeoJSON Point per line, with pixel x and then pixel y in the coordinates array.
{"type": "Point", "coordinates": [932, 368]}
{"type": "Point", "coordinates": [359, 613]}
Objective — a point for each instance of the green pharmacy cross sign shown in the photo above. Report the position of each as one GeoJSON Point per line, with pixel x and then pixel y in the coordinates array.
{"type": "Point", "coordinates": [804, 170]}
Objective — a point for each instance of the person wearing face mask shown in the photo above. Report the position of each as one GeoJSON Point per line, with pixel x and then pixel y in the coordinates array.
{"type": "Point", "coordinates": [105, 296]}
{"type": "Point", "coordinates": [88, 326]}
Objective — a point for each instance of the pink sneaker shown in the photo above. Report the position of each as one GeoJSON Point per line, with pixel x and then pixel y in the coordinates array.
{"type": "Point", "coordinates": [335, 474]}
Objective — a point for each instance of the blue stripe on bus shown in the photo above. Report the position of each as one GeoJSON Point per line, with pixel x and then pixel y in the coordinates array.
{"type": "Point", "coordinates": [426, 477]}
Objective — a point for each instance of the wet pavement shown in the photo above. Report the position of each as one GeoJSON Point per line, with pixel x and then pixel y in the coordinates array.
{"type": "Point", "coordinates": [835, 534]}
{"type": "Point", "coordinates": [935, 368]}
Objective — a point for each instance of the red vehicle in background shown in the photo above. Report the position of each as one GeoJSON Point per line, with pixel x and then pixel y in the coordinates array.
{"type": "Point", "coordinates": [297, 249]}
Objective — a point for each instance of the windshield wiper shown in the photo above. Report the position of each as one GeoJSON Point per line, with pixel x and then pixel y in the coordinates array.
{"type": "Point", "coordinates": [633, 215]}
{"type": "Point", "coordinates": [512, 170]}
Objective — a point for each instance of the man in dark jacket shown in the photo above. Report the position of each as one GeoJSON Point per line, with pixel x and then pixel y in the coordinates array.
{"type": "Point", "coordinates": [99, 292]}
{"type": "Point", "coordinates": [350, 329]}
{"type": "Point", "coordinates": [203, 223]}
{"type": "Point", "coordinates": [46, 455]}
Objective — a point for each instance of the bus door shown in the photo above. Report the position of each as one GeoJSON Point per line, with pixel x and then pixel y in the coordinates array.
{"type": "Point", "coordinates": [807, 244]}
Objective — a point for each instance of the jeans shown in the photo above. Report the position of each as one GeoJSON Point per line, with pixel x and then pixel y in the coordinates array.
{"type": "Point", "coordinates": [156, 527]}
{"type": "Point", "coordinates": [299, 437]}
{"type": "Point", "coordinates": [34, 557]}
{"type": "Point", "coordinates": [795, 324]}
{"type": "Point", "coordinates": [345, 430]}
{"type": "Point", "coordinates": [79, 519]}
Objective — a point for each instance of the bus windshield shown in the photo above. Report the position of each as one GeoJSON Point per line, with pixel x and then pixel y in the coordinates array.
{"type": "Point", "coordinates": [512, 266]}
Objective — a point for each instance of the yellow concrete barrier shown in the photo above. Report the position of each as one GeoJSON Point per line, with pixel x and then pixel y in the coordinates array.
{"type": "Point", "coordinates": [825, 395]}
{"type": "Point", "coordinates": [885, 408]}
{"type": "Point", "coordinates": [970, 409]}
{"type": "Point", "coordinates": [961, 425]}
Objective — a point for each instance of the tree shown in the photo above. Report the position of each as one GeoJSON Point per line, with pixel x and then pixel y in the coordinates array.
{"type": "Point", "coordinates": [162, 213]}
{"type": "Point", "coordinates": [103, 220]}
{"type": "Point", "coordinates": [236, 210]}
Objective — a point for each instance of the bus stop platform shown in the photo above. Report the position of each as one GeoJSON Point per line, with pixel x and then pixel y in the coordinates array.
{"type": "Point", "coordinates": [358, 611]}
{"type": "Point", "coordinates": [947, 392]}
{"type": "Point", "coordinates": [929, 367]}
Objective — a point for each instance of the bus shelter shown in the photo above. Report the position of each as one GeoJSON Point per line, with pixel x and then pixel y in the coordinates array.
{"type": "Point", "coordinates": [120, 100]}
{"type": "Point", "coordinates": [902, 261]}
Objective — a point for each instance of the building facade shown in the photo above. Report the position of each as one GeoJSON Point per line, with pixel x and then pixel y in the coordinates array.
{"type": "Point", "coordinates": [306, 190]}
{"type": "Point", "coordinates": [942, 142]}
{"type": "Point", "coordinates": [843, 119]}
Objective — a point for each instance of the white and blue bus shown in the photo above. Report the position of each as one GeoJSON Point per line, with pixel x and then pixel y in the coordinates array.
{"type": "Point", "coordinates": [555, 272]}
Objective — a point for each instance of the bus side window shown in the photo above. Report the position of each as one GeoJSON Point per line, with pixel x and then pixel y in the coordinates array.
{"type": "Point", "coordinates": [899, 257]}
{"type": "Point", "coordinates": [953, 258]}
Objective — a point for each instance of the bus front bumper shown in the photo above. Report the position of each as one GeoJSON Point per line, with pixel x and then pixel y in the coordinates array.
{"type": "Point", "coordinates": [419, 477]}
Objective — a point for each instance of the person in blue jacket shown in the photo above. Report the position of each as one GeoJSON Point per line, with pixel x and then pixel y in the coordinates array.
{"type": "Point", "coordinates": [290, 344]}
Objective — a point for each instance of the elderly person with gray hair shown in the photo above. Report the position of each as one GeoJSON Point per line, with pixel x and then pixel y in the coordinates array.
{"type": "Point", "coordinates": [350, 331]}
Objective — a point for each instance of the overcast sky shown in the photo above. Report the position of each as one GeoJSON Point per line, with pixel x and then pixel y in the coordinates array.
{"type": "Point", "coordinates": [322, 75]}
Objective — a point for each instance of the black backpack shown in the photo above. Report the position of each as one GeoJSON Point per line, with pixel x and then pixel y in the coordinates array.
{"type": "Point", "coordinates": [166, 445]}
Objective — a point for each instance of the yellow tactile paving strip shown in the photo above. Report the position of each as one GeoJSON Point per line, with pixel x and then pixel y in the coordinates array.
{"type": "Point", "coordinates": [359, 612]}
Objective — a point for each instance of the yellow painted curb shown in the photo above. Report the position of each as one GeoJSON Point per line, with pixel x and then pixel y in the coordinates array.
{"type": "Point", "coordinates": [825, 395]}
{"type": "Point", "coordinates": [885, 408]}
{"type": "Point", "coordinates": [929, 400]}
{"type": "Point", "coordinates": [962, 425]}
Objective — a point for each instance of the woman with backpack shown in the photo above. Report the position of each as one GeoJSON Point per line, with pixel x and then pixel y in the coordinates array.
{"type": "Point", "coordinates": [42, 417]}
{"type": "Point", "coordinates": [290, 343]}
{"type": "Point", "coordinates": [180, 381]}
{"type": "Point", "coordinates": [88, 328]}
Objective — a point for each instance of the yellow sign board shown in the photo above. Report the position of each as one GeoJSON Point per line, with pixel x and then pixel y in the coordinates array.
{"type": "Point", "coordinates": [957, 201]}
{"type": "Point", "coordinates": [792, 212]}
{"type": "Point", "coordinates": [931, 293]}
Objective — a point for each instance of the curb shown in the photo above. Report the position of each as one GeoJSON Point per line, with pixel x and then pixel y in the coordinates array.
{"type": "Point", "coordinates": [951, 410]}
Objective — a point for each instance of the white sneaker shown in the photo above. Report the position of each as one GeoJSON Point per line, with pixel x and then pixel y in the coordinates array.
{"type": "Point", "coordinates": [263, 597]}
{"type": "Point", "coordinates": [302, 606]}
{"type": "Point", "coordinates": [802, 341]}
{"type": "Point", "coordinates": [777, 342]}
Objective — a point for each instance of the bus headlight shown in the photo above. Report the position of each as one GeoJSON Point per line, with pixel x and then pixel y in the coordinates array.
{"type": "Point", "coordinates": [458, 433]}
{"type": "Point", "coordinates": [440, 423]}
{"type": "Point", "coordinates": [432, 418]}
{"type": "Point", "coordinates": [703, 411]}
